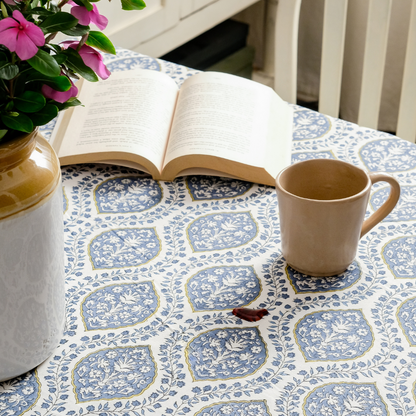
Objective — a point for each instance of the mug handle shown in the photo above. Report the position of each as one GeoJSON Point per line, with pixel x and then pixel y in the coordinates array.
{"type": "Point", "coordinates": [387, 207]}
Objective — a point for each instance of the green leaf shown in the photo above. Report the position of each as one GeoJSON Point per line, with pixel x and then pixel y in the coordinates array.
{"type": "Point", "coordinates": [40, 11]}
{"type": "Point", "coordinates": [78, 30]}
{"type": "Point", "coordinates": [3, 10]}
{"type": "Point", "coordinates": [45, 64]}
{"type": "Point", "coordinates": [3, 133]}
{"type": "Point", "coordinates": [19, 122]}
{"type": "Point", "coordinates": [60, 83]}
{"type": "Point", "coordinates": [8, 71]}
{"type": "Point", "coordinates": [30, 102]}
{"type": "Point", "coordinates": [72, 102]}
{"type": "Point", "coordinates": [100, 41]}
{"type": "Point", "coordinates": [75, 62]}
{"type": "Point", "coordinates": [58, 22]}
{"type": "Point", "coordinates": [133, 4]}
{"type": "Point", "coordinates": [59, 57]}
{"type": "Point", "coordinates": [84, 3]}
{"type": "Point", "coordinates": [44, 116]}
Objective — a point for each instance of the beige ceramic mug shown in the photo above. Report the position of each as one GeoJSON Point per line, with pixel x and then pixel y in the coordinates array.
{"type": "Point", "coordinates": [322, 204]}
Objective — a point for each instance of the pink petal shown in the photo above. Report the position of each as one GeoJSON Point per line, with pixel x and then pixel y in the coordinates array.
{"type": "Point", "coordinates": [8, 23]}
{"type": "Point", "coordinates": [19, 17]}
{"type": "Point", "coordinates": [59, 96]}
{"type": "Point", "coordinates": [99, 20]}
{"type": "Point", "coordinates": [25, 48]}
{"type": "Point", "coordinates": [21, 36]}
{"type": "Point", "coordinates": [9, 38]}
{"type": "Point", "coordinates": [82, 14]}
{"type": "Point", "coordinates": [35, 34]}
{"type": "Point", "coordinates": [96, 65]}
{"type": "Point", "coordinates": [90, 57]}
{"type": "Point", "coordinates": [69, 44]}
{"type": "Point", "coordinates": [93, 59]}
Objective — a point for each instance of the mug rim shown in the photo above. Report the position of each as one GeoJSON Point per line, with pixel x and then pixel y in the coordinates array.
{"type": "Point", "coordinates": [337, 161]}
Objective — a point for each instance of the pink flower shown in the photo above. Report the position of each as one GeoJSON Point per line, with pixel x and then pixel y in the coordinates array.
{"type": "Point", "coordinates": [91, 58]}
{"type": "Point", "coordinates": [21, 36]}
{"type": "Point", "coordinates": [11, 2]}
{"type": "Point", "coordinates": [85, 17]}
{"type": "Point", "coordinates": [59, 96]}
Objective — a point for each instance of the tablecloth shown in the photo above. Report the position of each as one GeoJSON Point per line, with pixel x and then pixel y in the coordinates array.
{"type": "Point", "coordinates": [154, 269]}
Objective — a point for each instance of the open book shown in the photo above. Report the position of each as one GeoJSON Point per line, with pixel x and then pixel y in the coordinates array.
{"type": "Point", "coordinates": [215, 124]}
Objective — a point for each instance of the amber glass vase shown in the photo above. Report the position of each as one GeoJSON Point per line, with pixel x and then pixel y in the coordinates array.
{"type": "Point", "coordinates": [31, 254]}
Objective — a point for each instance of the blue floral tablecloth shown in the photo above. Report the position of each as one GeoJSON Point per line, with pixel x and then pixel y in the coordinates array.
{"type": "Point", "coordinates": [153, 270]}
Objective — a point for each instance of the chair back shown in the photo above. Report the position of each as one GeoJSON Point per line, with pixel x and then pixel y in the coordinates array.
{"type": "Point", "coordinates": [333, 41]}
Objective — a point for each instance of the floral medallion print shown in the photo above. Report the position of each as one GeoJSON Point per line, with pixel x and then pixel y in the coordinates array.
{"type": "Point", "coordinates": [388, 155]}
{"type": "Point", "coordinates": [127, 194]}
{"type": "Point", "coordinates": [300, 157]}
{"type": "Point", "coordinates": [138, 61]}
{"type": "Point", "coordinates": [309, 124]}
{"type": "Point", "coordinates": [114, 373]}
{"type": "Point", "coordinates": [118, 306]}
{"type": "Point", "coordinates": [221, 288]}
{"type": "Point", "coordinates": [126, 247]}
{"type": "Point", "coordinates": [210, 187]}
{"type": "Point", "coordinates": [400, 256]}
{"type": "Point", "coordinates": [345, 399]}
{"type": "Point", "coordinates": [333, 335]}
{"type": "Point", "coordinates": [303, 283]}
{"type": "Point", "coordinates": [18, 395]}
{"type": "Point", "coordinates": [226, 353]}
{"type": "Point", "coordinates": [405, 209]}
{"type": "Point", "coordinates": [406, 315]}
{"type": "Point", "coordinates": [221, 231]}
{"type": "Point", "coordinates": [251, 408]}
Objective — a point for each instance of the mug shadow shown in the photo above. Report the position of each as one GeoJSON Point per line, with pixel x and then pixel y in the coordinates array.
{"type": "Point", "coordinates": [303, 283]}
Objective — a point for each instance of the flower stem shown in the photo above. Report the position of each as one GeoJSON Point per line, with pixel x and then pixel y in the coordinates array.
{"type": "Point", "coordinates": [82, 41]}
{"type": "Point", "coordinates": [50, 37]}
{"type": "Point", "coordinates": [4, 84]}
{"type": "Point", "coordinates": [62, 3]}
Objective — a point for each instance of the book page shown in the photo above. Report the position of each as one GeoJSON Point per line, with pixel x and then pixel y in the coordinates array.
{"type": "Point", "coordinates": [221, 115]}
{"type": "Point", "coordinates": [130, 112]}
